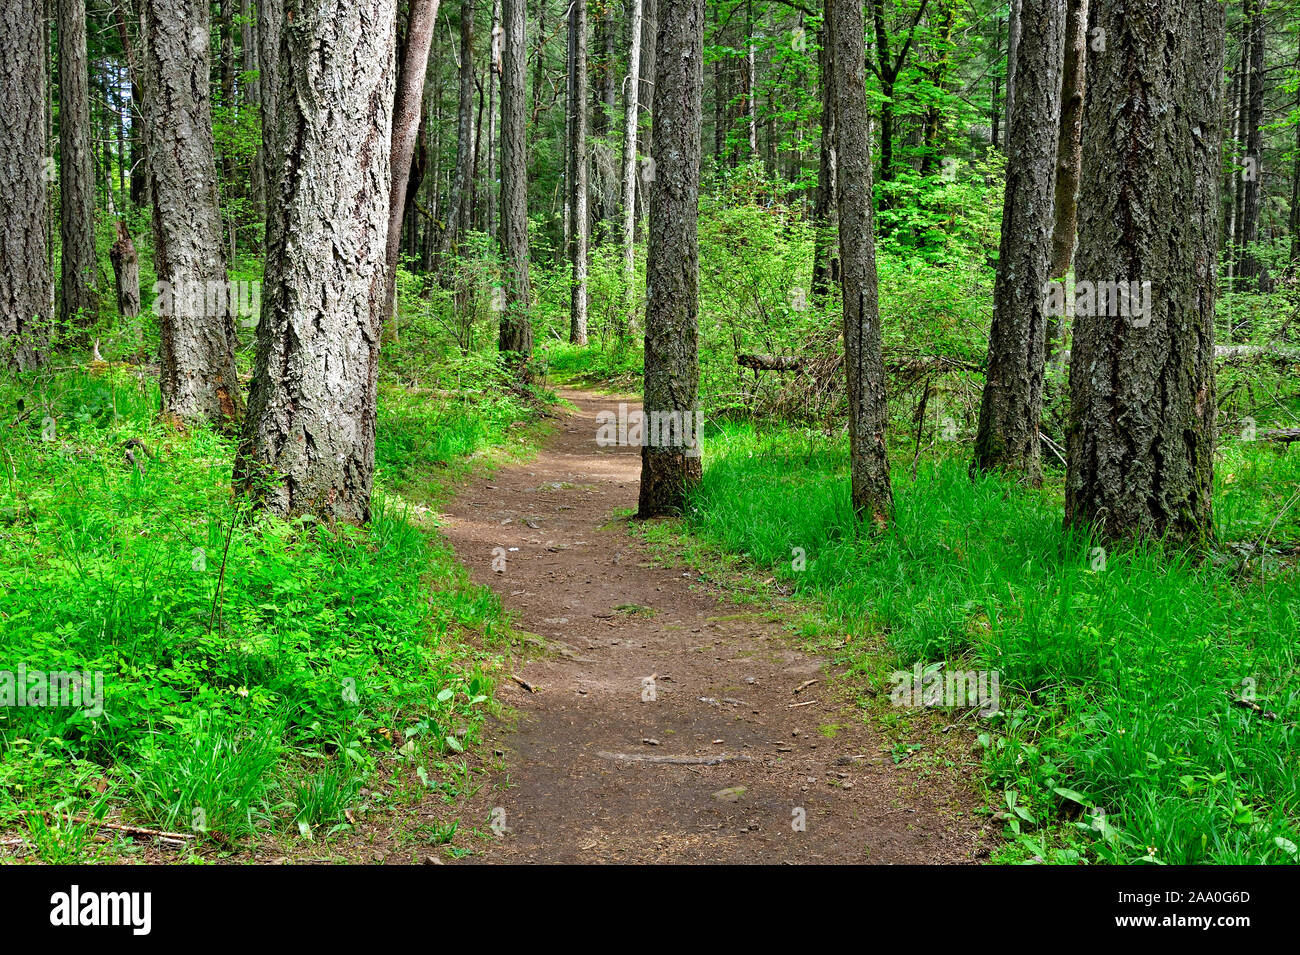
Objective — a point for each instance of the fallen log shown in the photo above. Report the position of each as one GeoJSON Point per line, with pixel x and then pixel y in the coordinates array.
{"type": "Point", "coordinates": [1285, 435]}
{"type": "Point", "coordinates": [771, 362]}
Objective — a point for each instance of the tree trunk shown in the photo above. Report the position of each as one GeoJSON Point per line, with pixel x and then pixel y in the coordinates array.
{"type": "Point", "coordinates": [670, 457]}
{"type": "Point", "coordinates": [1013, 59]}
{"type": "Point", "coordinates": [78, 301]}
{"type": "Point", "coordinates": [645, 132]}
{"type": "Point", "coordinates": [1069, 156]}
{"type": "Point", "coordinates": [251, 95]}
{"type": "Point", "coordinates": [1142, 417]}
{"type": "Point", "coordinates": [826, 262]}
{"type": "Point", "coordinates": [309, 442]}
{"type": "Point", "coordinates": [126, 271]}
{"type": "Point", "coordinates": [458, 211]}
{"type": "Point", "coordinates": [26, 285]}
{"type": "Point", "coordinates": [886, 77]}
{"type": "Point", "coordinates": [516, 341]}
{"type": "Point", "coordinates": [1237, 217]}
{"type": "Point", "coordinates": [629, 167]}
{"type": "Point", "coordinates": [405, 119]}
{"type": "Point", "coordinates": [605, 172]}
{"type": "Point", "coordinates": [1294, 224]}
{"type": "Point", "coordinates": [197, 376]}
{"type": "Point", "coordinates": [1069, 144]}
{"type": "Point", "coordinates": [494, 80]}
{"type": "Point", "coordinates": [1012, 406]}
{"type": "Point", "coordinates": [751, 81]}
{"type": "Point", "coordinates": [270, 20]}
{"type": "Point", "coordinates": [580, 237]}
{"type": "Point", "coordinates": [872, 495]}
{"type": "Point", "coordinates": [1251, 203]}
{"type": "Point", "coordinates": [995, 111]}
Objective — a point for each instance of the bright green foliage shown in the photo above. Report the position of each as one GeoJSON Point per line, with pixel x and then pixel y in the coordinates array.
{"type": "Point", "coordinates": [253, 669]}
{"type": "Point", "coordinates": [1115, 668]}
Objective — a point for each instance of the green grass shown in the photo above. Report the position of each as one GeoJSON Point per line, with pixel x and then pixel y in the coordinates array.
{"type": "Point", "coordinates": [1116, 740]}
{"type": "Point", "coordinates": [254, 669]}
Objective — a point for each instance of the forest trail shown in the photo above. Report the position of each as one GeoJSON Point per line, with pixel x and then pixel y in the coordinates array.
{"type": "Point", "coordinates": [582, 786]}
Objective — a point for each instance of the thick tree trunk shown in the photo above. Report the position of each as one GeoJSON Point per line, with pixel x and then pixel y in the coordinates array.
{"type": "Point", "coordinates": [1142, 417]}
{"type": "Point", "coordinates": [309, 442]}
{"type": "Point", "coordinates": [629, 167]}
{"type": "Point", "coordinates": [405, 121]}
{"type": "Point", "coordinates": [1012, 406]}
{"type": "Point", "coordinates": [872, 495]}
{"type": "Point", "coordinates": [670, 458]}
{"type": "Point", "coordinates": [79, 300]}
{"type": "Point", "coordinates": [197, 376]}
{"type": "Point", "coordinates": [26, 286]}
{"type": "Point", "coordinates": [580, 237]}
{"type": "Point", "coordinates": [458, 211]}
{"type": "Point", "coordinates": [516, 340]}
{"type": "Point", "coordinates": [826, 262]}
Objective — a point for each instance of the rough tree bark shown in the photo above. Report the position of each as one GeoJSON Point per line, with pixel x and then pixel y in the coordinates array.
{"type": "Point", "coordinates": [78, 298]}
{"type": "Point", "coordinates": [670, 458]}
{"type": "Point", "coordinates": [1012, 405]}
{"type": "Point", "coordinates": [629, 167]}
{"type": "Point", "coordinates": [26, 285]}
{"type": "Point", "coordinates": [872, 496]}
{"type": "Point", "coordinates": [1142, 417]}
{"type": "Point", "coordinates": [308, 445]}
{"type": "Point", "coordinates": [126, 271]}
{"type": "Point", "coordinates": [578, 191]}
{"type": "Point", "coordinates": [516, 340]}
{"type": "Point", "coordinates": [197, 376]}
{"type": "Point", "coordinates": [407, 110]}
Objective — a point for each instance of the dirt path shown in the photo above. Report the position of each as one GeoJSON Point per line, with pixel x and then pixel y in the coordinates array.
{"type": "Point", "coordinates": [581, 783]}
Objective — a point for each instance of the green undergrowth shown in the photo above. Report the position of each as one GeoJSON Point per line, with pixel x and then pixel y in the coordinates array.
{"type": "Point", "coordinates": [1116, 736]}
{"type": "Point", "coordinates": [255, 672]}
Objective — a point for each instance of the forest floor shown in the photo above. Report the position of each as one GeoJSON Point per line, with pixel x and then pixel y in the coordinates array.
{"type": "Point", "coordinates": [740, 748]}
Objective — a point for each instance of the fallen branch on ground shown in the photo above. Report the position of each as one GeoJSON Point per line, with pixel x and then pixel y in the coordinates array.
{"type": "Point", "coordinates": [675, 760]}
